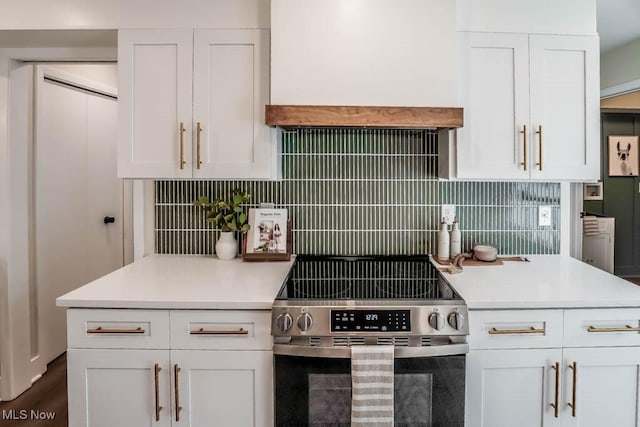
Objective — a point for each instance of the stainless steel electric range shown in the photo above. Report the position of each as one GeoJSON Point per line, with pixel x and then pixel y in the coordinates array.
{"type": "Point", "coordinates": [330, 303]}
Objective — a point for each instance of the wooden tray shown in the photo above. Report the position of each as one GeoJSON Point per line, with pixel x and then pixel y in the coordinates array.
{"type": "Point", "coordinates": [469, 262]}
{"type": "Point", "coordinates": [270, 256]}
{"type": "Point", "coordinates": [475, 262]}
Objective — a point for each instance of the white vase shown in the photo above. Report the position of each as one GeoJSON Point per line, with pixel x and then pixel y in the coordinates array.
{"type": "Point", "coordinates": [227, 246]}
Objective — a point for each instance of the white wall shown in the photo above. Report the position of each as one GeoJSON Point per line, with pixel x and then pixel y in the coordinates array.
{"type": "Point", "coordinates": [620, 66]}
{"type": "Point", "coordinates": [113, 14]}
{"type": "Point", "coordinates": [4, 227]}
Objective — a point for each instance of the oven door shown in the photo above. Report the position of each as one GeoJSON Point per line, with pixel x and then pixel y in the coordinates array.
{"type": "Point", "coordinates": [316, 391]}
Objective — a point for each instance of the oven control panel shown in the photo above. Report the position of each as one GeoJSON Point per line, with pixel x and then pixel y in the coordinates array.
{"type": "Point", "coordinates": [370, 321]}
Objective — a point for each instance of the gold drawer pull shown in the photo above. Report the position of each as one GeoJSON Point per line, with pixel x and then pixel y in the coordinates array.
{"type": "Point", "coordinates": [101, 330]}
{"type": "Point", "coordinates": [198, 132]}
{"type": "Point", "coordinates": [554, 405]}
{"type": "Point", "coordinates": [627, 328]}
{"type": "Point", "coordinates": [156, 373]}
{"type": "Point", "coordinates": [176, 382]}
{"type": "Point", "coordinates": [539, 132]}
{"type": "Point", "coordinates": [530, 330]}
{"type": "Point", "coordinates": [203, 331]}
{"type": "Point", "coordinates": [574, 377]}
{"type": "Point", "coordinates": [182, 162]}
{"type": "Point", "coordinates": [524, 144]}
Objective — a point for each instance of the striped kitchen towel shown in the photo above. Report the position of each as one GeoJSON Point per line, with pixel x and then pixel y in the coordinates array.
{"type": "Point", "coordinates": [372, 386]}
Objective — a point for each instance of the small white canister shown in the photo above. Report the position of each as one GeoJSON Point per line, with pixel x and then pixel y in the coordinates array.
{"type": "Point", "coordinates": [455, 238]}
{"type": "Point", "coordinates": [443, 241]}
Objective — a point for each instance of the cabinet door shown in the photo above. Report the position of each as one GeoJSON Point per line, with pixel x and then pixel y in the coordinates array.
{"type": "Point", "coordinates": [597, 250]}
{"type": "Point", "coordinates": [565, 109]}
{"type": "Point", "coordinates": [230, 388]}
{"type": "Point", "coordinates": [109, 388]}
{"type": "Point", "coordinates": [231, 89]}
{"type": "Point", "coordinates": [607, 387]}
{"type": "Point", "coordinates": [154, 79]}
{"type": "Point", "coordinates": [495, 96]}
{"type": "Point", "coordinates": [507, 388]}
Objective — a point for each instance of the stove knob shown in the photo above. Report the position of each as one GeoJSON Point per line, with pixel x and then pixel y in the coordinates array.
{"type": "Point", "coordinates": [284, 322]}
{"type": "Point", "coordinates": [305, 321]}
{"type": "Point", "coordinates": [456, 320]}
{"type": "Point", "coordinates": [436, 321]}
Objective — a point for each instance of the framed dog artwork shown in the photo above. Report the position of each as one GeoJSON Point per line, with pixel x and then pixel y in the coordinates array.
{"type": "Point", "coordinates": [623, 156]}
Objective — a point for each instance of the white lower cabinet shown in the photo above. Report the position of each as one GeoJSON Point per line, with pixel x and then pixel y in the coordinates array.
{"type": "Point", "coordinates": [607, 387]}
{"type": "Point", "coordinates": [572, 367]}
{"type": "Point", "coordinates": [214, 368]}
{"type": "Point", "coordinates": [559, 383]}
{"type": "Point", "coordinates": [511, 387]}
{"type": "Point", "coordinates": [109, 388]}
{"type": "Point", "coordinates": [223, 388]}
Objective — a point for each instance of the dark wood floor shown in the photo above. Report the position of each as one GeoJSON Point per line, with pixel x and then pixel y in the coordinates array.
{"type": "Point", "coordinates": [46, 398]}
{"type": "Point", "coordinates": [635, 280]}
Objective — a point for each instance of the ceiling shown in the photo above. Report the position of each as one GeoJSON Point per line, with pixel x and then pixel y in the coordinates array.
{"type": "Point", "coordinates": [618, 22]}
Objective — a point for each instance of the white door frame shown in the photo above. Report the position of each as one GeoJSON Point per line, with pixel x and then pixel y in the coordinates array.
{"type": "Point", "coordinates": [16, 370]}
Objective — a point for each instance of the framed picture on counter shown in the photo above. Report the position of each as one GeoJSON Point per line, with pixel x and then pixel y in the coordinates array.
{"type": "Point", "coordinates": [623, 156]}
{"type": "Point", "coordinates": [268, 232]}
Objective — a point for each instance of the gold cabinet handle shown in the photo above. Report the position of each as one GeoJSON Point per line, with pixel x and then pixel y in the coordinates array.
{"type": "Point", "coordinates": [176, 369]}
{"type": "Point", "coordinates": [101, 330]}
{"type": "Point", "coordinates": [524, 148]}
{"type": "Point", "coordinates": [555, 405]}
{"type": "Point", "coordinates": [156, 372]}
{"type": "Point", "coordinates": [572, 405]}
{"type": "Point", "coordinates": [203, 331]}
{"type": "Point", "coordinates": [627, 328]}
{"type": "Point", "coordinates": [539, 132]}
{"type": "Point", "coordinates": [182, 162]}
{"type": "Point", "coordinates": [198, 132]}
{"type": "Point", "coordinates": [530, 330]}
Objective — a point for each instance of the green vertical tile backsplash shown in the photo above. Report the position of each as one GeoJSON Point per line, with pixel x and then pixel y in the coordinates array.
{"type": "Point", "coordinates": [364, 191]}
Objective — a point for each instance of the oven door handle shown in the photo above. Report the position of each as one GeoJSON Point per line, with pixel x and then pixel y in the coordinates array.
{"type": "Point", "coordinates": [345, 352]}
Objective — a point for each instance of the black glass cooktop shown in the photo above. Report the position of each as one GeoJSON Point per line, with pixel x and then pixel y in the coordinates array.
{"type": "Point", "coordinates": [320, 277]}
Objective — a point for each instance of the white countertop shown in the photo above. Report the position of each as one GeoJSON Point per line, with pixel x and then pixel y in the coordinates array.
{"type": "Point", "coordinates": [547, 281]}
{"type": "Point", "coordinates": [204, 282]}
{"type": "Point", "coordinates": [184, 282]}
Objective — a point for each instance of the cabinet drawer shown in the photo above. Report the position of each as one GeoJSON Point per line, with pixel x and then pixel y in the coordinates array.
{"type": "Point", "coordinates": [221, 330]}
{"type": "Point", "coordinates": [602, 327]}
{"type": "Point", "coordinates": [117, 328]}
{"type": "Point", "coordinates": [515, 329]}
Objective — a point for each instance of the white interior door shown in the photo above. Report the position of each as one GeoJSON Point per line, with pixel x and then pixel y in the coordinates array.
{"type": "Point", "coordinates": [75, 188]}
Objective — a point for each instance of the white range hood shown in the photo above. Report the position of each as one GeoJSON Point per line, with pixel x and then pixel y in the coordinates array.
{"type": "Point", "coordinates": [398, 53]}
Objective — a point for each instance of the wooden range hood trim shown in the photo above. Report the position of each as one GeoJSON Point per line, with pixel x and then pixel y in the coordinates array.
{"type": "Point", "coordinates": [356, 116]}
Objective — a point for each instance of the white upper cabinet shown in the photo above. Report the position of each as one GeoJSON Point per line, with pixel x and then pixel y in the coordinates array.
{"type": "Point", "coordinates": [192, 104]}
{"type": "Point", "coordinates": [155, 80]}
{"type": "Point", "coordinates": [565, 107]}
{"type": "Point", "coordinates": [528, 16]}
{"type": "Point", "coordinates": [531, 107]}
{"type": "Point", "coordinates": [363, 52]}
{"type": "Point", "coordinates": [231, 89]}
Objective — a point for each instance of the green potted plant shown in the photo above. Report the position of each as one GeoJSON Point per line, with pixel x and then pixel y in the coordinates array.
{"type": "Point", "coordinates": [229, 217]}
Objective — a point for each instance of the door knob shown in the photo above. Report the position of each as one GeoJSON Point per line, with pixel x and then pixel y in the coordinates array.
{"type": "Point", "coordinates": [109, 220]}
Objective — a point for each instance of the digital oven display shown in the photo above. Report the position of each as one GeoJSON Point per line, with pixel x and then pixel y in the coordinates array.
{"type": "Point", "coordinates": [370, 321]}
